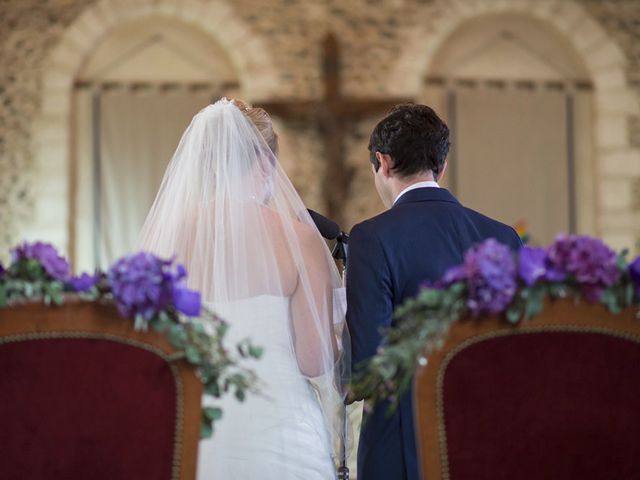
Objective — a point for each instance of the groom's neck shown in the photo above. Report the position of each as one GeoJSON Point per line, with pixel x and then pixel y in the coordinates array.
{"type": "Point", "coordinates": [398, 185]}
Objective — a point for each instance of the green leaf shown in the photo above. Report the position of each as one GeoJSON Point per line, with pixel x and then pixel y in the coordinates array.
{"type": "Point", "coordinates": [158, 326]}
{"type": "Point", "coordinates": [534, 303]}
{"type": "Point", "coordinates": [621, 260]}
{"type": "Point", "coordinates": [162, 322]}
{"type": "Point", "coordinates": [3, 295]}
{"type": "Point", "coordinates": [629, 291]}
{"type": "Point", "coordinates": [212, 413]}
{"type": "Point", "coordinates": [192, 354]}
{"type": "Point", "coordinates": [29, 289]}
{"type": "Point", "coordinates": [458, 288]}
{"type": "Point", "coordinates": [90, 296]}
{"type": "Point", "coordinates": [532, 308]}
{"type": "Point", "coordinates": [256, 352]}
{"type": "Point", "coordinates": [206, 429]}
{"type": "Point", "coordinates": [240, 395]}
{"type": "Point", "coordinates": [140, 324]}
{"type": "Point", "coordinates": [34, 269]}
{"type": "Point", "coordinates": [514, 314]}
{"type": "Point", "coordinates": [610, 300]}
{"type": "Point", "coordinates": [558, 290]}
{"type": "Point", "coordinates": [213, 389]}
{"type": "Point", "coordinates": [198, 327]}
{"type": "Point", "coordinates": [177, 335]}
{"type": "Point", "coordinates": [429, 296]}
{"type": "Point", "coordinates": [223, 327]}
{"type": "Point", "coordinates": [56, 292]}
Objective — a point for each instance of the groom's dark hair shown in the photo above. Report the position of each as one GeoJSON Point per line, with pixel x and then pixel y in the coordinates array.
{"type": "Point", "coordinates": [414, 137]}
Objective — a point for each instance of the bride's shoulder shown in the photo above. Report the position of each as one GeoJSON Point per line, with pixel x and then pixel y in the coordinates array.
{"type": "Point", "coordinates": [307, 234]}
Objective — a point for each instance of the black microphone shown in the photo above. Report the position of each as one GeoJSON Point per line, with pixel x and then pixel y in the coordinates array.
{"type": "Point", "coordinates": [327, 228]}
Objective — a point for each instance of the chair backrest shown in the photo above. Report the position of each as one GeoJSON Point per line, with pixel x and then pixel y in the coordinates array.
{"type": "Point", "coordinates": [554, 397]}
{"type": "Point", "coordinates": [83, 395]}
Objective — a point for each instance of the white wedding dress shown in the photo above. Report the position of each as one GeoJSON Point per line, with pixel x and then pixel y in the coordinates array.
{"type": "Point", "coordinates": [281, 432]}
{"type": "Point", "coordinates": [227, 211]}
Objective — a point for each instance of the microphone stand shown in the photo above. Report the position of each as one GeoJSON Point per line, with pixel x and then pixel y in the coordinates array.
{"type": "Point", "coordinates": [341, 252]}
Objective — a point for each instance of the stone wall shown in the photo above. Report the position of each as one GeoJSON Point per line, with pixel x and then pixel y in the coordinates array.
{"type": "Point", "coordinates": [28, 30]}
{"type": "Point", "coordinates": [621, 20]}
{"type": "Point", "coordinates": [276, 46]}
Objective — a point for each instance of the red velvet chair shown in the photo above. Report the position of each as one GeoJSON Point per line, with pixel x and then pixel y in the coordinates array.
{"type": "Point", "coordinates": [557, 397]}
{"type": "Point", "coordinates": [84, 396]}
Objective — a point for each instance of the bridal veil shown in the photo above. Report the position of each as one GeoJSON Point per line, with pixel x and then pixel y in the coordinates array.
{"type": "Point", "coordinates": [229, 213]}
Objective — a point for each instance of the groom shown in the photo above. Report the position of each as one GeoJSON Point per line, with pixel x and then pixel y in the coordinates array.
{"type": "Point", "coordinates": [424, 232]}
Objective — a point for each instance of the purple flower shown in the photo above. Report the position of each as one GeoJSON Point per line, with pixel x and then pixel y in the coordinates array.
{"type": "Point", "coordinates": [454, 275]}
{"type": "Point", "coordinates": [143, 284]}
{"type": "Point", "coordinates": [531, 266]}
{"type": "Point", "coordinates": [634, 273]}
{"type": "Point", "coordinates": [83, 283]}
{"type": "Point", "coordinates": [558, 258]}
{"type": "Point", "coordinates": [593, 262]}
{"type": "Point", "coordinates": [591, 293]}
{"type": "Point", "coordinates": [490, 273]}
{"type": "Point", "coordinates": [187, 301]}
{"type": "Point", "coordinates": [588, 260]}
{"type": "Point", "coordinates": [44, 253]}
{"type": "Point", "coordinates": [2, 270]}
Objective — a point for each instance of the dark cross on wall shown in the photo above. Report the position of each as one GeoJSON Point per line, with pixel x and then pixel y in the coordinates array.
{"type": "Point", "coordinates": [332, 116]}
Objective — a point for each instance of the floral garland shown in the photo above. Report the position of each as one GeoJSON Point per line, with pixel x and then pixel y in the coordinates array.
{"type": "Point", "coordinates": [494, 281]}
{"type": "Point", "coordinates": [150, 291]}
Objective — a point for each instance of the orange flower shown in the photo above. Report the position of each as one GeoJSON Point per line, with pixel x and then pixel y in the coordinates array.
{"type": "Point", "coordinates": [521, 228]}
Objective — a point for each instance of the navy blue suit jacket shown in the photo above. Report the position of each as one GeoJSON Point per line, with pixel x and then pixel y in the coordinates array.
{"type": "Point", "coordinates": [426, 232]}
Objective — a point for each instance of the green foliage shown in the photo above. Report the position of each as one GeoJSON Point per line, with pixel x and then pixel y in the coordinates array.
{"type": "Point", "coordinates": [209, 416]}
{"type": "Point", "coordinates": [26, 280]}
{"type": "Point", "coordinates": [3, 294]}
{"type": "Point", "coordinates": [198, 341]}
{"type": "Point", "coordinates": [421, 324]}
{"type": "Point", "coordinates": [206, 428]}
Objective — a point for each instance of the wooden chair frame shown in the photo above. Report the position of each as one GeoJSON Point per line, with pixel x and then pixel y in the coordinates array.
{"type": "Point", "coordinates": [558, 316]}
{"type": "Point", "coordinates": [77, 319]}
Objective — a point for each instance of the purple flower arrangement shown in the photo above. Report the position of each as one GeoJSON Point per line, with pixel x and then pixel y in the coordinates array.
{"type": "Point", "coordinates": [492, 280]}
{"type": "Point", "coordinates": [144, 285]}
{"type": "Point", "coordinates": [585, 261]}
{"type": "Point", "coordinates": [148, 290]}
{"type": "Point", "coordinates": [492, 273]}
{"type": "Point", "coordinates": [83, 282]}
{"type": "Point", "coordinates": [489, 271]}
{"type": "Point", "coordinates": [54, 264]}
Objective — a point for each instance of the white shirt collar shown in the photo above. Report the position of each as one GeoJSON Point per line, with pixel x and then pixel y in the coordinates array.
{"type": "Point", "coordinates": [428, 183]}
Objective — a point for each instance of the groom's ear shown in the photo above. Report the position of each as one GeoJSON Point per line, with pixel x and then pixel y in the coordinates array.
{"type": "Point", "coordinates": [441, 174]}
{"type": "Point", "coordinates": [386, 163]}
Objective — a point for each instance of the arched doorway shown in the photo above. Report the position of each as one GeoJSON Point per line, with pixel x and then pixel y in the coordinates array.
{"type": "Point", "coordinates": [518, 100]}
{"type": "Point", "coordinates": [615, 102]}
{"type": "Point", "coordinates": [134, 96]}
{"type": "Point", "coordinates": [56, 172]}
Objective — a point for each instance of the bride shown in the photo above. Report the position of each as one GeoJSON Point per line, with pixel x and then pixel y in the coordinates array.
{"type": "Point", "coordinates": [229, 213]}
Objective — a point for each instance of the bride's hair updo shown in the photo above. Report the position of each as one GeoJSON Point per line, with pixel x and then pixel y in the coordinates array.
{"type": "Point", "coordinates": [262, 121]}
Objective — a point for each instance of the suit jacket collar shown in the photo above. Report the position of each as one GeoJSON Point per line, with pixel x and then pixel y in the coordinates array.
{"type": "Point", "coordinates": [426, 194]}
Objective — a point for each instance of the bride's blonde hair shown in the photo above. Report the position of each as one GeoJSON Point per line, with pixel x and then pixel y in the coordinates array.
{"type": "Point", "coordinates": [261, 120]}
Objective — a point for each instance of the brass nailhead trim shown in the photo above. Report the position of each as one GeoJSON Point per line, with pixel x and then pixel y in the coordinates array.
{"type": "Point", "coordinates": [442, 433]}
